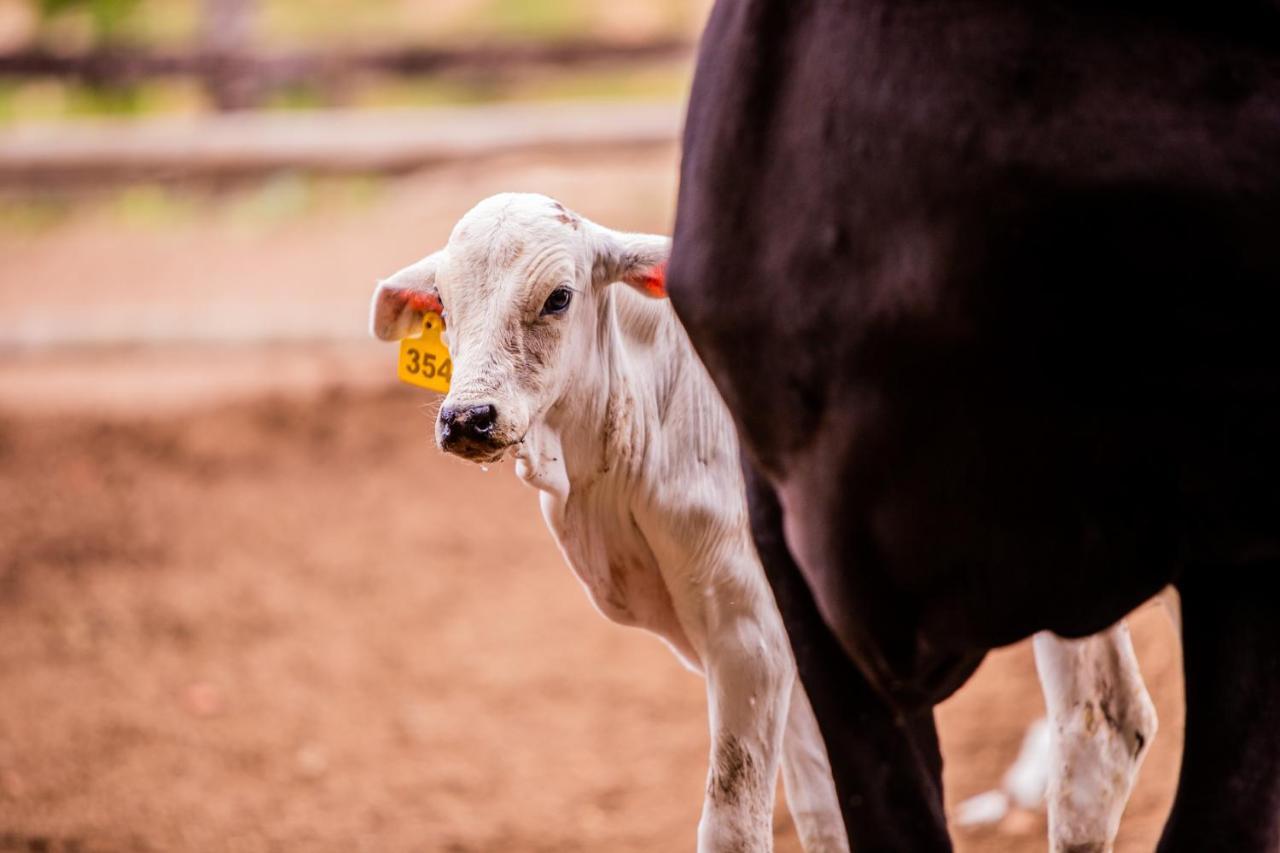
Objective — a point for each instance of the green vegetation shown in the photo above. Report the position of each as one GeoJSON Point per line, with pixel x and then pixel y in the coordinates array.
{"type": "Point", "coordinates": [83, 23]}
{"type": "Point", "coordinates": [536, 20]}
{"type": "Point", "coordinates": [106, 16]}
{"type": "Point", "coordinates": [46, 100]}
{"type": "Point", "coordinates": [346, 22]}
{"type": "Point", "coordinates": [446, 21]}
{"type": "Point", "coordinates": [80, 24]}
{"type": "Point", "coordinates": [25, 214]}
{"type": "Point", "coordinates": [651, 80]}
{"type": "Point", "coordinates": [274, 202]}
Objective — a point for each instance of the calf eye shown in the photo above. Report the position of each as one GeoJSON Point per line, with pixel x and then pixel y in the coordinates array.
{"type": "Point", "coordinates": [558, 301]}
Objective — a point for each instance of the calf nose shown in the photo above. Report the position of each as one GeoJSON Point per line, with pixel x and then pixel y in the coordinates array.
{"type": "Point", "coordinates": [468, 423]}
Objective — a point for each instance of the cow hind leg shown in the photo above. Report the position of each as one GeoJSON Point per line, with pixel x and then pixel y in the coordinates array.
{"type": "Point", "coordinates": [1102, 722]}
{"type": "Point", "coordinates": [806, 775]}
{"type": "Point", "coordinates": [887, 768]}
{"type": "Point", "coordinates": [1229, 787]}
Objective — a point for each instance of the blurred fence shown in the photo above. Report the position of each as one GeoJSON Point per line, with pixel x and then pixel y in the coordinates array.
{"type": "Point", "coordinates": [245, 145]}
{"type": "Point", "coordinates": [237, 78]}
{"type": "Point", "coordinates": [239, 142]}
{"type": "Point", "coordinates": [232, 138]}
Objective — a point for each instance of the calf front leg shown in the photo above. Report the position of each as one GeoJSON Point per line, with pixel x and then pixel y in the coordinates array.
{"type": "Point", "coordinates": [1102, 722]}
{"type": "Point", "coordinates": [749, 678]}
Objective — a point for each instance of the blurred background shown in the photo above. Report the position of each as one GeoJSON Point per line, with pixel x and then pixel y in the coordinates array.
{"type": "Point", "coordinates": [244, 602]}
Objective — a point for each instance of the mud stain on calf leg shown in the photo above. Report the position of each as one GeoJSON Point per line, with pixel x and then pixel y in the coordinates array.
{"type": "Point", "coordinates": [733, 772]}
{"type": "Point", "coordinates": [736, 784]}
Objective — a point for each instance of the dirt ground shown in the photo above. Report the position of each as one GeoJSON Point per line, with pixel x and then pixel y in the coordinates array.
{"type": "Point", "coordinates": [246, 605]}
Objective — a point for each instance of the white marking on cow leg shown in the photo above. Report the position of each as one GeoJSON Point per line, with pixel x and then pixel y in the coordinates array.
{"type": "Point", "coordinates": [806, 776]}
{"type": "Point", "coordinates": [1102, 723]}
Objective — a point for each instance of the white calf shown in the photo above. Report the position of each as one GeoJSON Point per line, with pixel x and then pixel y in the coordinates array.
{"type": "Point", "coordinates": [598, 394]}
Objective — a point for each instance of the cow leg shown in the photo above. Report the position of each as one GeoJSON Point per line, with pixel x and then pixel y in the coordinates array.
{"type": "Point", "coordinates": [1229, 788]}
{"type": "Point", "coordinates": [806, 775]}
{"type": "Point", "coordinates": [887, 769]}
{"type": "Point", "coordinates": [1102, 723]}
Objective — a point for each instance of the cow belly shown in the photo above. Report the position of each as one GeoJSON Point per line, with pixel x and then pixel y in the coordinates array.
{"type": "Point", "coordinates": [934, 527]}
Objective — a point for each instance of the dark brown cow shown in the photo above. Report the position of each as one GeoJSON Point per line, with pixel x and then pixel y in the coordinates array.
{"type": "Point", "coordinates": [991, 289]}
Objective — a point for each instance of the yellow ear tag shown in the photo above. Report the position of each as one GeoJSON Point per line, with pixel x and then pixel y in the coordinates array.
{"type": "Point", "coordinates": [424, 360]}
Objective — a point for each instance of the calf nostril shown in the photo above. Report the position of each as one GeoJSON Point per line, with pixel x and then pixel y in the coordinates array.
{"type": "Point", "coordinates": [482, 418]}
{"type": "Point", "coordinates": [467, 423]}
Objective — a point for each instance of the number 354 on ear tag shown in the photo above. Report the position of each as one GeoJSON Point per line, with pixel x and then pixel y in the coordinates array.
{"type": "Point", "coordinates": [424, 360]}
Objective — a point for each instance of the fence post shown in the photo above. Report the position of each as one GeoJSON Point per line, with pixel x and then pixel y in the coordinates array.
{"type": "Point", "coordinates": [226, 32]}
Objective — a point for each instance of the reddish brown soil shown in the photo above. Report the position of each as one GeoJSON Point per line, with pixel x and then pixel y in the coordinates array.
{"type": "Point", "coordinates": [291, 624]}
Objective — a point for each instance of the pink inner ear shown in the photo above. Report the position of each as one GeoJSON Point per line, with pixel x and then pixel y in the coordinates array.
{"type": "Point", "coordinates": [652, 281]}
{"type": "Point", "coordinates": [422, 300]}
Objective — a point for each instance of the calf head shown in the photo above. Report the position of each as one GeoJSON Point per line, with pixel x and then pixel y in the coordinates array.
{"type": "Point", "coordinates": [520, 285]}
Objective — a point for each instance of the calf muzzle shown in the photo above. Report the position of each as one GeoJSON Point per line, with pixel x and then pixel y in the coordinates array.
{"type": "Point", "coordinates": [468, 431]}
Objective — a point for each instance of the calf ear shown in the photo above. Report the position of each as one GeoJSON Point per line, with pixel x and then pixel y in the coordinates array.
{"type": "Point", "coordinates": [639, 260]}
{"type": "Point", "coordinates": [400, 301]}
